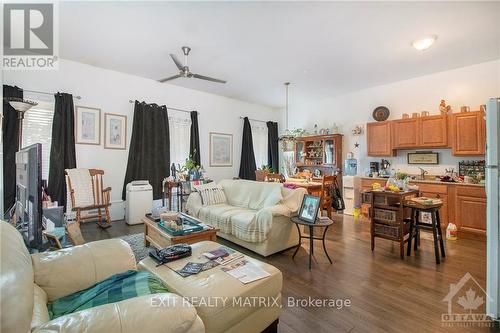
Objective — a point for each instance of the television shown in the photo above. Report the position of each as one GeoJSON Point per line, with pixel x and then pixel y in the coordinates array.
{"type": "Point", "coordinates": [28, 211]}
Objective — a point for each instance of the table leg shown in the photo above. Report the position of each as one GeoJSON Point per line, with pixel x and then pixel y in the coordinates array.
{"type": "Point", "coordinates": [324, 246]}
{"type": "Point", "coordinates": [410, 235]}
{"type": "Point", "coordinates": [440, 233]}
{"type": "Point", "coordinates": [435, 236]}
{"type": "Point", "coordinates": [300, 241]}
{"type": "Point", "coordinates": [311, 247]}
{"type": "Point", "coordinates": [169, 197]}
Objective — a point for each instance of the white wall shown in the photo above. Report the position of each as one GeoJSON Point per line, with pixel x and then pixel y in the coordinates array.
{"type": "Point", "coordinates": [471, 86]}
{"type": "Point", "coordinates": [111, 91]}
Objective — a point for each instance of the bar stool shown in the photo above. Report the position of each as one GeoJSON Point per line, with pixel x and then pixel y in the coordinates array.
{"type": "Point", "coordinates": [435, 226]}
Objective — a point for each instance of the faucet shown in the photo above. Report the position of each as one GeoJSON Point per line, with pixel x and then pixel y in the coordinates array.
{"type": "Point", "coordinates": [423, 173]}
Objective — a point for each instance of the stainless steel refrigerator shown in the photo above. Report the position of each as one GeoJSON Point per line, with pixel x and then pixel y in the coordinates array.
{"type": "Point", "coordinates": [493, 205]}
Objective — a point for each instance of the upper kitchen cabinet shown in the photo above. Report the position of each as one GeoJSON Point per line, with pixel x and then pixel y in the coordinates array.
{"type": "Point", "coordinates": [405, 133]}
{"type": "Point", "coordinates": [378, 139]}
{"type": "Point", "coordinates": [468, 133]}
{"type": "Point", "coordinates": [433, 131]}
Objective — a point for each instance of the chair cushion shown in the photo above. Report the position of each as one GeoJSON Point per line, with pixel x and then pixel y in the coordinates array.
{"type": "Point", "coordinates": [111, 290]}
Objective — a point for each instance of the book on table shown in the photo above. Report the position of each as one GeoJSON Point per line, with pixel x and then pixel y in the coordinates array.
{"type": "Point", "coordinates": [218, 253]}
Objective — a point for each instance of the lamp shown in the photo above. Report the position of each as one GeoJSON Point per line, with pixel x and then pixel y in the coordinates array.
{"type": "Point", "coordinates": [287, 138]}
{"type": "Point", "coordinates": [21, 106]}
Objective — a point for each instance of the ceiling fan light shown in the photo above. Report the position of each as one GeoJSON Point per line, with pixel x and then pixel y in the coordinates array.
{"type": "Point", "coordinates": [424, 43]}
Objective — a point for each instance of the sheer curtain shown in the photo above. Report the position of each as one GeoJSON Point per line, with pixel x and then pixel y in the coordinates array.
{"type": "Point", "coordinates": [180, 133]}
{"type": "Point", "coordinates": [259, 136]}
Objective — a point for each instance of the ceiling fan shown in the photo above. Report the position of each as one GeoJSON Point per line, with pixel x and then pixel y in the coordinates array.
{"type": "Point", "coordinates": [184, 70]}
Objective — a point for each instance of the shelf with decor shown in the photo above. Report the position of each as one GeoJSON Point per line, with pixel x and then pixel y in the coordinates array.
{"type": "Point", "coordinates": [319, 152]}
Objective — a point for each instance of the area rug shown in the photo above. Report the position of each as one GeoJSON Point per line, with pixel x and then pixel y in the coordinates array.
{"type": "Point", "coordinates": [136, 242]}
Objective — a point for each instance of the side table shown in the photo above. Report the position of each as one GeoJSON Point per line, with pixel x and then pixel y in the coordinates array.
{"type": "Point", "coordinates": [319, 223]}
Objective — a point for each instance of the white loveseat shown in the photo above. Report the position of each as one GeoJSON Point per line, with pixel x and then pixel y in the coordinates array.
{"type": "Point", "coordinates": [256, 215]}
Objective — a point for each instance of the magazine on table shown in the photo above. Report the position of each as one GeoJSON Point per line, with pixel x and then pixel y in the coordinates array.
{"type": "Point", "coordinates": [219, 252]}
{"type": "Point", "coordinates": [245, 271]}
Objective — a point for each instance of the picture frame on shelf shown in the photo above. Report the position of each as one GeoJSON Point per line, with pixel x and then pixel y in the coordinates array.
{"type": "Point", "coordinates": [88, 125]}
{"type": "Point", "coordinates": [221, 149]}
{"type": "Point", "coordinates": [115, 131]}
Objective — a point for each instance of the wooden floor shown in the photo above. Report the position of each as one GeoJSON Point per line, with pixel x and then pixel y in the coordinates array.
{"type": "Point", "coordinates": [386, 294]}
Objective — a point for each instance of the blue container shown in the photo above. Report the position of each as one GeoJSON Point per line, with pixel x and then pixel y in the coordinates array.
{"type": "Point", "coordinates": [351, 167]}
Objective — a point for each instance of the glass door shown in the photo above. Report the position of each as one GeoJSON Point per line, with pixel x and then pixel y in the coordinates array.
{"type": "Point", "coordinates": [329, 152]}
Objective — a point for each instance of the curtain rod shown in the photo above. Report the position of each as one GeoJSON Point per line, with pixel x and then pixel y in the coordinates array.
{"type": "Point", "coordinates": [262, 121]}
{"type": "Point", "coordinates": [46, 93]}
{"type": "Point", "coordinates": [169, 108]}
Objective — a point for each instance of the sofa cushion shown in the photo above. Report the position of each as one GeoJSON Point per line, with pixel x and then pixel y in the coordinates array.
{"type": "Point", "coordinates": [212, 196]}
{"type": "Point", "coordinates": [251, 194]}
{"type": "Point", "coordinates": [111, 290]}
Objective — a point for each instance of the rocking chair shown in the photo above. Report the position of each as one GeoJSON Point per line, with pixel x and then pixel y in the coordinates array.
{"type": "Point", "coordinates": [101, 199]}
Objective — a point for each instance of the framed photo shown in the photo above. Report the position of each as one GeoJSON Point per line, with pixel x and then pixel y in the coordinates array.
{"type": "Point", "coordinates": [221, 150]}
{"type": "Point", "coordinates": [309, 208]}
{"type": "Point", "coordinates": [88, 126]}
{"type": "Point", "coordinates": [115, 131]}
{"type": "Point", "coordinates": [423, 158]}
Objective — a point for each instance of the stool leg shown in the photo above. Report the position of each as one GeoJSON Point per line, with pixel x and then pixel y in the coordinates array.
{"type": "Point", "coordinates": [417, 230]}
{"type": "Point", "coordinates": [440, 233]}
{"type": "Point", "coordinates": [410, 236]}
{"type": "Point", "coordinates": [435, 237]}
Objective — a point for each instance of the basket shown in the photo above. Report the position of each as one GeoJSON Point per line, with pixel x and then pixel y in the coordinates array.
{"type": "Point", "coordinates": [390, 230]}
{"type": "Point", "coordinates": [385, 215]}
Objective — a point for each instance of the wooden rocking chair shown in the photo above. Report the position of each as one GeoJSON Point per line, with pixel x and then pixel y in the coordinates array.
{"type": "Point", "coordinates": [102, 200]}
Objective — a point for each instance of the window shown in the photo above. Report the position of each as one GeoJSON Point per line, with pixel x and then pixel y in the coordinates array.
{"type": "Point", "coordinates": [180, 133]}
{"type": "Point", "coordinates": [259, 137]}
{"type": "Point", "coordinates": [37, 128]}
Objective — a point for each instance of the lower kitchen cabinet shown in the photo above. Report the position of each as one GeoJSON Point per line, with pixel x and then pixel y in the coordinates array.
{"type": "Point", "coordinates": [470, 211]}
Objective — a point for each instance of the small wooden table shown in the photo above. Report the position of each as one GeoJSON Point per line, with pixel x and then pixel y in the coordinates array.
{"type": "Point", "coordinates": [167, 191]}
{"type": "Point", "coordinates": [319, 223]}
{"type": "Point", "coordinates": [311, 187]}
{"type": "Point", "coordinates": [159, 238]}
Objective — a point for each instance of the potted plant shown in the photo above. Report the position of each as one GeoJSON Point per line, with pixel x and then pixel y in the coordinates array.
{"type": "Point", "coordinates": [262, 172]}
{"type": "Point", "coordinates": [192, 168]}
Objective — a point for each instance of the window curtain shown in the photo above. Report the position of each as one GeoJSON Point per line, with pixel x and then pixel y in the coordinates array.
{"type": "Point", "coordinates": [149, 153]}
{"type": "Point", "coordinates": [179, 126]}
{"type": "Point", "coordinates": [247, 163]}
{"type": "Point", "coordinates": [194, 140]}
{"type": "Point", "coordinates": [62, 151]}
{"type": "Point", "coordinates": [259, 136]}
{"type": "Point", "coordinates": [10, 130]}
{"type": "Point", "coordinates": [272, 144]}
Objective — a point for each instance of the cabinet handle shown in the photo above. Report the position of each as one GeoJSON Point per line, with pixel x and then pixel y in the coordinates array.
{"type": "Point", "coordinates": [438, 196]}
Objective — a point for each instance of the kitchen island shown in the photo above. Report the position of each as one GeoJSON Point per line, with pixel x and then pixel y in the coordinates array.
{"type": "Point", "coordinates": [464, 204]}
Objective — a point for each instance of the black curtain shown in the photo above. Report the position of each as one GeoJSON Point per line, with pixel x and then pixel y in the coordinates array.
{"type": "Point", "coordinates": [149, 153]}
{"type": "Point", "coordinates": [10, 128]}
{"type": "Point", "coordinates": [194, 140]}
{"type": "Point", "coordinates": [272, 145]}
{"type": "Point", "coordinates": [247, 164]}
{"type": "Point", "coordinates": [62, 151]}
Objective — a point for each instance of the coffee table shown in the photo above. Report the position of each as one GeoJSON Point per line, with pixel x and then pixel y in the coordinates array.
{"type": "Point", "coordinates": [159, 238]}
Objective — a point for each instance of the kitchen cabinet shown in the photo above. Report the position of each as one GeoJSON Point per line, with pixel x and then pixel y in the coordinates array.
{"type": "Point", "coordinates": [378, 137]}
{"type": "Point", "coordinates": [468, 133]}
{"type": "Point", "coordinates": [405, 133]}
{"type": "Point", "coordinates": [470, 210]}
{"type": "Point", "coordinates": [433, 131]}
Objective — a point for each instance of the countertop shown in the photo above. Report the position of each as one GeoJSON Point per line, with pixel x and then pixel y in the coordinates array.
{"type": "Point", "coordinates": [428, 182]}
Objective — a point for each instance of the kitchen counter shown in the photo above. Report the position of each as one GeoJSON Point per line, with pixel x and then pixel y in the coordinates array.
{"type": "Point", "coordinates": [429, 182]}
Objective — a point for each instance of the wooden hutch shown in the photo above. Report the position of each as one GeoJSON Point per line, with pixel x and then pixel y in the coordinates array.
{"type": "Point", "coordinates": [319, 152]}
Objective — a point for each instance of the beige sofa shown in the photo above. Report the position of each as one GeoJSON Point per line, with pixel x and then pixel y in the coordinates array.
{"type": "Point", "coordinates": [256, 215]}
{"type": "Point", "coordinates": [28, 281]}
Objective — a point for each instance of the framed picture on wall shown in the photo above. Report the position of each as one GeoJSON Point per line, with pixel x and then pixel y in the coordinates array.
{"type": "Point", "coordinates": [88, 125]}
{"type": "Point", "coordinates": [115, 131]}
{"type": "Point", "coordinates": [221, 150]}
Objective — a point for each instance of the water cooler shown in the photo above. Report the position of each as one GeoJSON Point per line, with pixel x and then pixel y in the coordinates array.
{"type": "Point", "coordinates": [139, 201]}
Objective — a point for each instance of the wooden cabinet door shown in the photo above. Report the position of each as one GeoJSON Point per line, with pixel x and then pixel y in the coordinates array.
{"type": "Point", "coordinates": [443, 211]}
{"type": "Point", "coordinates": [433, 131]}
{"type": "Point", "coordinates": [470, 210]}
{"type": "Point", "coordinates": [405, 133]}
{"type": "Point", "coordinates": [378, 139]}
{"type": "Point", "coordinates": [469, 137]}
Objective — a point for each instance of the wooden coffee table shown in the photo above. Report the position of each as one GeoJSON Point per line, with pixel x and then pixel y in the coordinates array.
{"type": "Point", "coordinates": [159, 238]}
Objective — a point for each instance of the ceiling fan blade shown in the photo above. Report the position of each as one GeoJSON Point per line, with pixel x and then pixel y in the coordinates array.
{"type": "Point", "coordinates": [177, 62]}
{"type": "Point", "coordinates": [170, 78]}
{"type": "Point", "coordinates": [202, 77]}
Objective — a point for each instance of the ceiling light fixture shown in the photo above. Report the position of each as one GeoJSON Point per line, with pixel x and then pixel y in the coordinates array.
{"type": "Point", "coordinates": [423, 44]}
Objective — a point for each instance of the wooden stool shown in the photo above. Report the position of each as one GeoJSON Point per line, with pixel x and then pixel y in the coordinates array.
{"type": "Point", "coordinates": [434, 226]}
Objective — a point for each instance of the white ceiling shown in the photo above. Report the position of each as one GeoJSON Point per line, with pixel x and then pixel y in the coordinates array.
{"type": "Point", "coordinates": [323, 48]}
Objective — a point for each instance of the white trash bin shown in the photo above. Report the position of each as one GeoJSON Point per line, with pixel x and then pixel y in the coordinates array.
{"type": "Point", "coordinates": [139, 200]}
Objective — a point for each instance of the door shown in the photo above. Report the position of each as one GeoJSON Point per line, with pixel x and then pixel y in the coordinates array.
{"type": "Point", "coordinates": [468, 134]}
{"type": "Point", "coordinates": [471, 214]}
{"type": "Point", "coordinates": [404, 133]}
{"type": "Point", "coordinates": [379, 139]}
{"type": "Point", "coordinates": [433, 131]}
